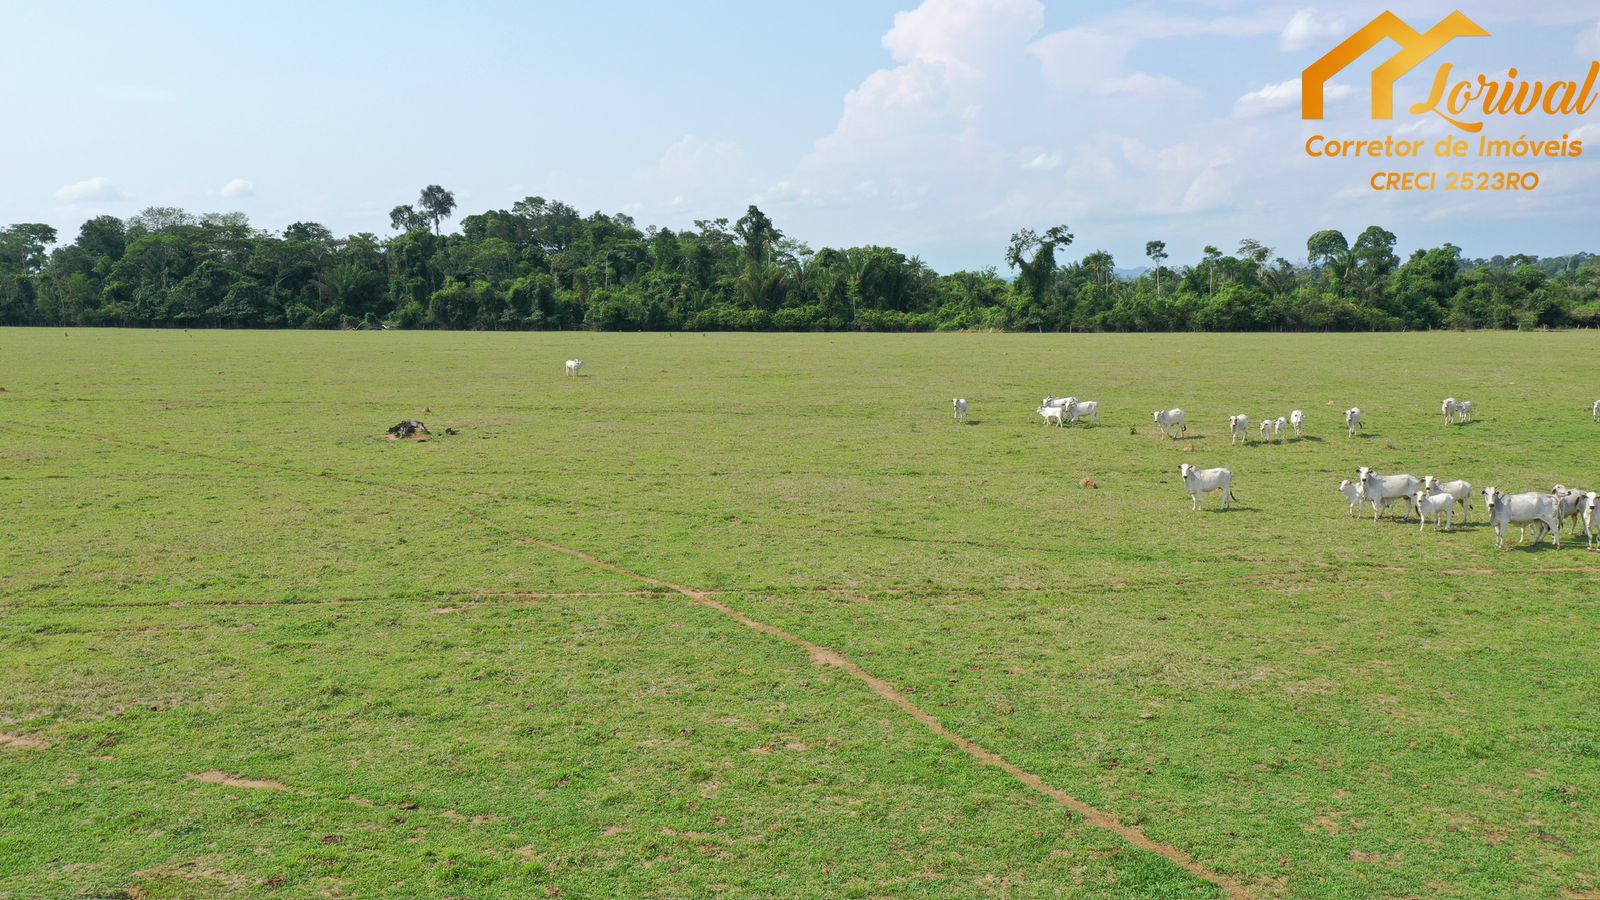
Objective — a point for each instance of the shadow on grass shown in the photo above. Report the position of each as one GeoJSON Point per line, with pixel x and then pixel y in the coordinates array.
{"type": "Point", "coordinates": [1310, 437]}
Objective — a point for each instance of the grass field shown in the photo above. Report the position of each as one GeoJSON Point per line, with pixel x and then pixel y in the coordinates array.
{"type": "Point", "coordinates": [247, 647]}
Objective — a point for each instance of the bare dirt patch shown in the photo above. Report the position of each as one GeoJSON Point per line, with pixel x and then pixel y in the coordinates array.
{"type": "Point", "coordinates": [226, 780]}
{"type": "Point", "coordinates": [22, 742]}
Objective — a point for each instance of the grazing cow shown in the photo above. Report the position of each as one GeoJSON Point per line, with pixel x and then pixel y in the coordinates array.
{"type": "Point", "coordinates": [1591, 520]}
{"type": "Point", "coordinates": [1199, 482]}
{"type": "Point", "coordinates": [1282, 428]}
{"type": "Point", "coordinates": [1440, 506]}
{"type": "Point", "coordinates": [1084, 409]}
{"type": "Point", "coordinates": [1597, 410]}
{"type": "Point", "coordinates": [573, 365]}
{"type": "Point", "coordinates": [1569, 503]}
{"type": "Point", "coordinates": [1460, 490]}
{"type": "Point", "coordinates": [1449, 408]}
{"type": "Point", "coordinates": [1266, 430]}
{"type": "Point", "coordinates": [1239, 429]}
{"type": "Point", "coordinates": [1051, 413]}
{"type": "Point", "coordinates": [1525, 509]}
{"type": "Point", "coordinates": [1298, 420]}
{"type": "Point", "coordinates": [961, 410]}
{"type": "Point", "coordinates": [1171, 421]}
{"type": "Point", "coordinates": [1463, 412]}
{"type": "Point", "coordinates": [1352, 420]}
{"type": "Point", "coordinates": [1351, 492]}
{"type": "Point", "coordinates": [1062, 402]}
{"type": "Point", "coordinates": [1381, 490]}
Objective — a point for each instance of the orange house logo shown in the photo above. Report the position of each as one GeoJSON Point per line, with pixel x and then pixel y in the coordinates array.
{"type": "Point", "coordinates": [1456, 101]}
{"type": "Point", "coordinates": [1414, 48]}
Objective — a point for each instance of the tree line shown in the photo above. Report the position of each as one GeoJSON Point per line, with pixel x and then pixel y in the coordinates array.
{"type": "Point", "coordinates": [543, 265]}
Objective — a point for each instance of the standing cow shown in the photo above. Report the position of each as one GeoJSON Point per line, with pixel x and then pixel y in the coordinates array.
{"type": "Point", "coordinates": [1382, 490]}
{"type": "Point", "coordinates": [1525, 509]}
{"type": "Point", "coordinates": [1352, 420]}
{"type": "Point", "coordinates": [1199, 482]}
{"type": "Point", "coordinates": [1298, 420]}
{"type": "Point", "coordinates": [1238, 429]}
{"type": "Point", "coordinates": [961, 410]}
{"type": "Point", "coordinates": [1171, 423]}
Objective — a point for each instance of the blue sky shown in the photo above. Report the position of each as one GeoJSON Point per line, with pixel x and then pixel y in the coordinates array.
{"type": "Point", "coordinates": [938, 126]}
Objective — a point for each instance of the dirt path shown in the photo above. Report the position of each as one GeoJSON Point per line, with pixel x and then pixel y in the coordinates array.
{"type": "Point", "coordinates": [819, 655]}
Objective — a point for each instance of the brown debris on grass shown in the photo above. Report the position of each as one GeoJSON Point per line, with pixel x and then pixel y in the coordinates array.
{"type": "Point", "coordinates": [226, 780]}
{"type": "Point", "coordinates": [22, 742]}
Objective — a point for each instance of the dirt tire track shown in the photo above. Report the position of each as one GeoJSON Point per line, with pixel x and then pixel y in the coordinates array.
{"type": "Point", "coordinates": [818, 654]}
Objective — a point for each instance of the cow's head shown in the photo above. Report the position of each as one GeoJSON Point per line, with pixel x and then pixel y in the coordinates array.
{"type": "Point", "coordinates": [1185, 469]}
{"type": "Point", "coordinates": [1491, 497]}
{"type": "Point", "coordinates": [1428, 481]}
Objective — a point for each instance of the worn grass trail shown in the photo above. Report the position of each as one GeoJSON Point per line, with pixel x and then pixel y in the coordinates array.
{"type": "Point", "coordinates": [239, 579]}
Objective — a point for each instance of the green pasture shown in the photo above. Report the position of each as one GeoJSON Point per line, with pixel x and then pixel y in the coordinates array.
{"type": "Point", "coordinates": [248, 647]}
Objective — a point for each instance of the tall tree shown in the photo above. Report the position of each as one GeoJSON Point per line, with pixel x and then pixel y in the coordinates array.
{"type": "Point", "coordinates": [406, 218]}
{"type": "Point", "coordinates": [1157, 251]}
{"type": "Point", "coordinates": [758, 235]}
{"type": "Point", "coordinates": [437, 204]}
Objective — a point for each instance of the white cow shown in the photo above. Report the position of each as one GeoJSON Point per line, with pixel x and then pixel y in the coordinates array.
{"type": "Point", "coordinates": [1440, 506]}
{"type": "Point", "coordinates": [960, 406]}
{"type": "Point", "coordinates": [1169, 420]}
{"type": "Point", "coordinates": [1449, 407]}
{"type": "Point", "coordinates": [1051, 413]}
{"type": "Point", "coordinates": [1569, 504]}
{"type": "Point", "coordinates": [1352, 420]}
{"type": "Point", "coordinates": [1351, 492]}
{"type": "Point", "coordinates": [1282, 428]}
{"type": "Point", "coordinates": [573, 365]}
{"type": "Point", "coordinates": [1239, 429]}
{"type": "Point", "coordinates": [1199, 482]}
{"type": "Point", "coordinates": [1084, 409]}
{"type": "Point", "coordinates": [1591, 520]}
{"type": "Point", "coordinates": [1298, 420]}
{"type": "Point", "coordinates": [1460, 490]}
{"type": "Point", "coordinates": [1382, 490]}
{"type": "Point", "coordinates": [1062, 402]}
{"type": "Point", "coordinates": [1521, 509]}
{"type": "Point", "coordinates": [1597, 410]}
{"type": "Point", "coordinates": [1463, 412]}
{"type": "Point", "coordinates": [1266, 430]}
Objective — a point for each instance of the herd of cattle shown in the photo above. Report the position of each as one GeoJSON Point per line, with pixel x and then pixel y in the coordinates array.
{"type": "Point", "coordinates": [1425, 497]}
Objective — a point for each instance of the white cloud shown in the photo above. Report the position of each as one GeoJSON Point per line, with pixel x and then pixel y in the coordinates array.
{"type": "Point", "coordinates": [1095, 62]}
{"type": "Point", "coordinates": [1283, 96]}
{"type": "Point", "coordinates": [1041, 161]}
{"type": "Point", "coordinates": [1306, 29]}
{"type": "Point", "coordinates": [1589, 42]}
{"type": "Point", "coordinates": [967, 36]}
{"type": "Point", "coordinates": [98, 188]}
{"type": "Point", "coordinates": [238, 188]}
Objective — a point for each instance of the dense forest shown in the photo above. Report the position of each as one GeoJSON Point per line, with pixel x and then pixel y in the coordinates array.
{"type": "Point", "coordinates": [543, 265]}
